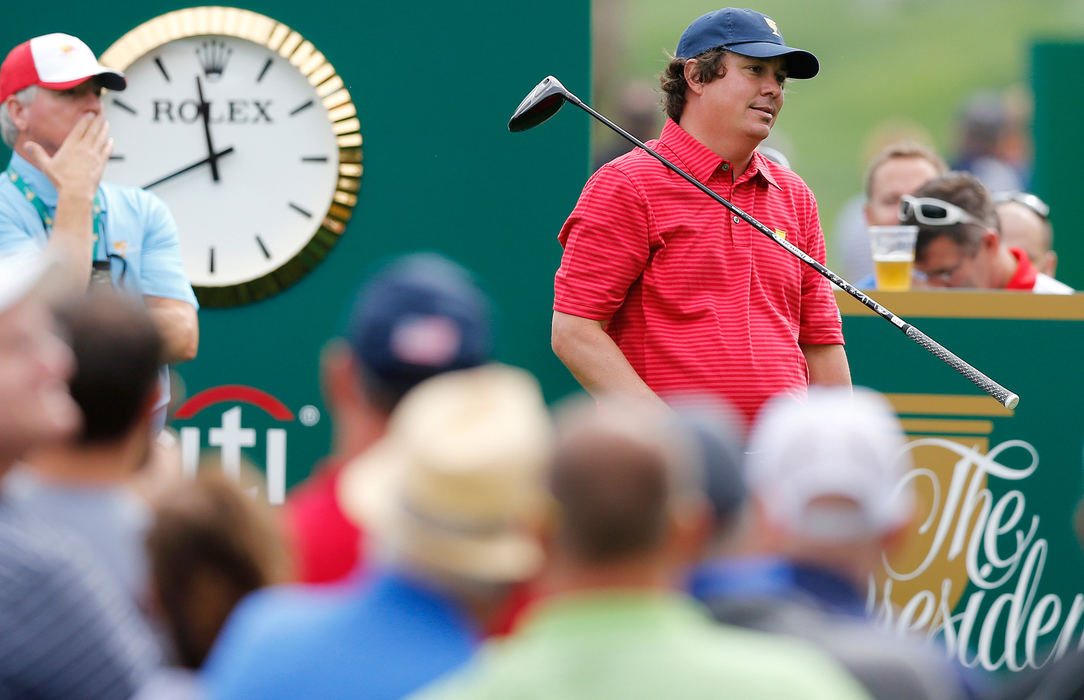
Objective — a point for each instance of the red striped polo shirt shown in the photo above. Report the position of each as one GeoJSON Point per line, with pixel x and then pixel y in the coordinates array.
{"type": "Point", "coordinates": [698, 300]}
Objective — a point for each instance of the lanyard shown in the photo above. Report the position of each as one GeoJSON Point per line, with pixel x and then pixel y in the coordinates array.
{"type": "Point", "coordinates": [47, 220]}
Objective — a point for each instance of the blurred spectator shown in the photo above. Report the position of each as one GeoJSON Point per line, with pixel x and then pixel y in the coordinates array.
{"type": "Point", "coordinates": [901, 168]}
{"type": "Point", "coordinates": [717, 432]}
{"type": "Point", "coordinates": [85, 485]}
{"type": "Point", "coordinates": [52, 197]}
{"type": "Point", "coordinates": [850, 240]}
{"type": "Point", "coordinates": [209, 546]}
{"type": "Point", "coordinates": [417, 317]}
{"type": "Point", "coordinates": [1025, 224]}
{"type": "Point", "coordinates": [994, 142]}
{"type": "Point", "coordinates": [638, 114]}
{"type": "Point", "coordinates": [629, 517]}
{"type": "Point", "coordinates": [823, 476]}
{"type": "Point", "coordinates": [447, 497]}
{"type": "Point", "coordinates": [66, 630]}
{"type": "Point", "coordinates": [959, 241]}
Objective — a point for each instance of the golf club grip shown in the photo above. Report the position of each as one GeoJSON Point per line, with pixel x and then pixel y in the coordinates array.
{"type": "Point", "coordinates": [1003, 395]}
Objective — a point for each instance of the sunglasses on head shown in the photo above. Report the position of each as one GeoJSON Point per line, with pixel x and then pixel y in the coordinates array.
{"type": "Point", "coordinates": [934, 212]}
{"type": "Point", "coordinates": [1032, 202]}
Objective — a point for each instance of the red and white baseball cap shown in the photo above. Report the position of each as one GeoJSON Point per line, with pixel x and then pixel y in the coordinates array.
{"type": "Point", "coordinates": [54, 61]}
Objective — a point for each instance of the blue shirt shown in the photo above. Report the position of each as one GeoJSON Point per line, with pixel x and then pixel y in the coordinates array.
{"type": "Point", "coordinates": [137, 227]}
{"type": "Point", "coordinates": [777, 578]}
{"type": "Point", "coordinates": [380, 638]}
{"type": "Point", "coordinates": [139, 234]}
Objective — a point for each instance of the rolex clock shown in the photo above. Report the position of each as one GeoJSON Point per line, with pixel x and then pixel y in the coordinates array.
{"type": "Point", "coordinates": [249, 135]}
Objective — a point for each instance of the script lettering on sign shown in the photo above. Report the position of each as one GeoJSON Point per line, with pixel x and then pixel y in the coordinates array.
{"type": "Point", "coordinates": [972, 573]}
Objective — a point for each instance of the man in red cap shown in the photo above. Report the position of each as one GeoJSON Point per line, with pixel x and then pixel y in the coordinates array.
{"type": "Point", "coordinates": [662, 293]}
{"type": "Point", "coordinates": [52, 198]}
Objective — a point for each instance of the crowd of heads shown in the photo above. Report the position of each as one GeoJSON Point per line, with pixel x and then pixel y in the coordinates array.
{"type": "Point", "coordinates": [473, 485]}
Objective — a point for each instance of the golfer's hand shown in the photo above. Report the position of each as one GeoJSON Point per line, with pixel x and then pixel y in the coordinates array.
{"type": "Point", "coordinates": [76, 167]}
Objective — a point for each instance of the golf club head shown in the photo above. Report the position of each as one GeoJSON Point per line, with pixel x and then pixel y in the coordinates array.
{"type": "Point", "coordinates": [539, 105]}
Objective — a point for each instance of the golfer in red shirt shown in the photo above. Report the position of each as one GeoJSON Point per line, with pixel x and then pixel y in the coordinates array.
{"type": "Point", "coordinates": [662, 291]}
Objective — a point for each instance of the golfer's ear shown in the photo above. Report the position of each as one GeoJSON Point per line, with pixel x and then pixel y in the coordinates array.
{"type": "Point", "coordinates": [692, 76]}
{"type": "Point", "coordinates": [990, 240]}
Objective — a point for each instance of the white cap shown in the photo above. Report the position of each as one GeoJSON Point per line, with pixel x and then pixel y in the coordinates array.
{"type": "Point", "coordinates": [55, 61]}
{"type": "Point", "coordinates": [833, 445]}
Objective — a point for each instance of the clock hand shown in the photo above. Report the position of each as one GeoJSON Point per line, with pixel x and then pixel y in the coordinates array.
{"type": "Point", "coordinates": [205, 112]}
{"type": "Point", "coordinates": [210, 159]}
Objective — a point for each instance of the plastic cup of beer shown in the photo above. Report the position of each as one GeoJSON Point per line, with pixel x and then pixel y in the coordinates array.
{"type": "Point", "coordinates": [893, 249]}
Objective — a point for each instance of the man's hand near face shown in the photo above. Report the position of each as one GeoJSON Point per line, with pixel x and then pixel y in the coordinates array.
{"type": "Point", "coordinates": [75, 170]}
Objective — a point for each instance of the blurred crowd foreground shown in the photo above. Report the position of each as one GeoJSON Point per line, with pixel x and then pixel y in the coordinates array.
{"type": "Point", "coordinates": [614, 549]}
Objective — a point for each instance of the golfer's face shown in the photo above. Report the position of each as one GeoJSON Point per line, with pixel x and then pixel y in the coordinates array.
{"type": "Point", "coordinates": [748, 98]}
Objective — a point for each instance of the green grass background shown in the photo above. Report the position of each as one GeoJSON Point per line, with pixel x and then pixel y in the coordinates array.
{"type": "Point", "coordinates": [880, 59]}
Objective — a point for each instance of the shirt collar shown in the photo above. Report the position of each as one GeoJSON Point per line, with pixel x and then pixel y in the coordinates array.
{"type": "Point", "coordinates": [1026, 273]}
{"type": "Point", "coordinates": [760, 166]}
{"type": "Point", "coordinates": [38, 182]}
{"type": "Point", "coordinates": [700, 161]}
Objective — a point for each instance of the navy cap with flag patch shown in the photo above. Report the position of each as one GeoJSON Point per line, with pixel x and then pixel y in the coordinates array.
{"type": "Point", "coordinates": [745, 32]}
{"type": "Point", "coordinates": [419, 316]}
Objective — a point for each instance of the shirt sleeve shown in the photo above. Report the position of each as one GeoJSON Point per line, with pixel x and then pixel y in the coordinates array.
{"type": "Point", "coordinates": [820, 322]}
{"type": "Point", "coordinates": [607, 243]}
{"type": "Point", "coordinates": [162, 268]}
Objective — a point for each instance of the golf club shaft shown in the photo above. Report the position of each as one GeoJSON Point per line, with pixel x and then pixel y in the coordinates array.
{"type": "Point", "coordinates": [1003, 395]}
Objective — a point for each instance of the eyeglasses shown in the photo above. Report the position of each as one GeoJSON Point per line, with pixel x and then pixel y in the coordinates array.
{"type": "Point", "coordinates": [1027, 199]}
{"type": "Point", "coordinates": [934, 212]}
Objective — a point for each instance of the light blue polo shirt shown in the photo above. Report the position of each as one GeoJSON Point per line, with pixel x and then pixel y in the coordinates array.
{"type": "Point", "coordinates": [137, 227]}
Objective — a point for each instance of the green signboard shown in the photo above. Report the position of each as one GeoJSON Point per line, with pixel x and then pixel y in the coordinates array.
{"type": "Point", "coordinates": [425, 163]}
{"type": "Point", "coordinates": [1059, 149]}
{"type": "Point", "coordinates": [991, 565]}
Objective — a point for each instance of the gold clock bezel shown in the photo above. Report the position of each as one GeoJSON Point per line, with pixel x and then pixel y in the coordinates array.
{"type": "Point", "coordinates": [276, 36]}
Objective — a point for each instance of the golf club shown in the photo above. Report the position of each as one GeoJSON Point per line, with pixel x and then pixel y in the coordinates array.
{"type": "Point", "coordinates": [550, 95]}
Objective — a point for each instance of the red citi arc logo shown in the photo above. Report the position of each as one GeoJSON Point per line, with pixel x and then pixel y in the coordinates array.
{"type": "Point", "coordinates": [231, 436]}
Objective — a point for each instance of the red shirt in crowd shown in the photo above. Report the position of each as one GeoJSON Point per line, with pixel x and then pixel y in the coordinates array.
{"type": "Point", "coordinates": [698, 300]}
{"type": "Point", "coordinates": [326, 545]}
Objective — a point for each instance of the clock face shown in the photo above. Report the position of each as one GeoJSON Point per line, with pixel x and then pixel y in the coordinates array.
{"type": "Point", "coordinates": [252, 155]}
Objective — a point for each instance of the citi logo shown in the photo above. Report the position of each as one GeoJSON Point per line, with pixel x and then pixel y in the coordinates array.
{"type": "Point", "coordinates": [230, 436]}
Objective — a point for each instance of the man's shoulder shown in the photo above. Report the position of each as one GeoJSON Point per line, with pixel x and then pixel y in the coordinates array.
{"type": "Point", "coordinates": [1045, 284]}
{"type": "Point", "coordinates": [135, 197]}
{"type": "Point", "coordinates": [637, 163]}
{"type": "Point", "coordinates": [289, 610]}
{"type": "Point", "coordinates": [749, 657]}
{"type": "Point", "coordinates": [39, 560]}
{"type": "Point", "coordinates": [13, 202]}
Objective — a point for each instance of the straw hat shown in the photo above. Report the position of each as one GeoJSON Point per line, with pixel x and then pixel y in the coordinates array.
{"type": "Point", "coordinates": [457, 481]}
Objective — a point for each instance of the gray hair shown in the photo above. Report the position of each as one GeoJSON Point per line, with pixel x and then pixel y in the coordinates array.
{"type": "Point", "coordinates": [8, 131]}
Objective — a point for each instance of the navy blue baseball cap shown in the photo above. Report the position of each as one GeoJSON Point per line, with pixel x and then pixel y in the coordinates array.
{"type": "Point", "coordinates": [745, 32]}
{"type": "Point", "coordinates": [417, 317]}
